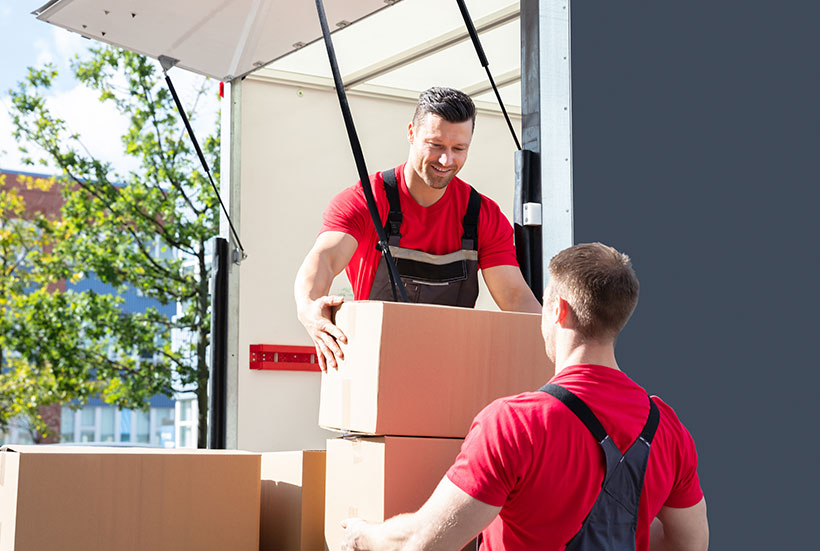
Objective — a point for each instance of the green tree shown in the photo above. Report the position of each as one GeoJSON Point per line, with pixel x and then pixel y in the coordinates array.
{"type": "Point", "coordinates": [24, 247]}
{"type": "Point", "coordinates": [148, 229]}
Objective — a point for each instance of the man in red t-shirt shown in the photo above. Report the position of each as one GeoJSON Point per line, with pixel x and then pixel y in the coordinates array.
{"type": "Point", "coordinates": [529, 470]}
{"type": "Point", "coordinates": [433, 235]}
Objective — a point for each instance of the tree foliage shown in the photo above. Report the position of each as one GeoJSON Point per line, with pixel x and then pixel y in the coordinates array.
{"type": "Point", "coordinates": [146, 230]}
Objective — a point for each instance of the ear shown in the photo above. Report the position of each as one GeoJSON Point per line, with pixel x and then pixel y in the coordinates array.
{"type": "Point", "coordinates": [410, 135]}
{"type": "Point", "coordinates": [561, 312]}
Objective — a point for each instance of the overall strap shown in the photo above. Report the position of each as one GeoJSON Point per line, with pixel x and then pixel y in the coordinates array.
{"type": "Point", "coordinates": [579, 408]}
{"type": "Point", "coordinates": [469, 240]}
{"type": "Point", "coordinates": [394, 217]}
{"type": "Point", "coordinates": [651, 425]}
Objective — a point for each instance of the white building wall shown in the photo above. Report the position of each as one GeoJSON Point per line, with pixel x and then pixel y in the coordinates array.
{"type": "Point", "coordinates": [294, 156]}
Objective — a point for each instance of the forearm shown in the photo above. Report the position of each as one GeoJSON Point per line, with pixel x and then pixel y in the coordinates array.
{"type": "Point", "coordinates": [522, 301]}
{"type": "Point", "coordinates": [509, 290]}
{"type": "Point", "coordinates": [313, 280]}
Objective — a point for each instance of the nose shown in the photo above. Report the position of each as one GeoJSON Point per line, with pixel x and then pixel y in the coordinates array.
{"type": "Point", "coordinates": [444, 159]}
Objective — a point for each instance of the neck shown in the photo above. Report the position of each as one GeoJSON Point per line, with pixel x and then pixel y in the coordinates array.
{"type": "Point", "coordinates": [587, 352]}
{"type": "Point", "coordinates": [421, 193]}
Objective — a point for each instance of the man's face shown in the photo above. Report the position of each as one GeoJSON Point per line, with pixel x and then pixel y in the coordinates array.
{"type": "Point", "coordinates": [438, 148]}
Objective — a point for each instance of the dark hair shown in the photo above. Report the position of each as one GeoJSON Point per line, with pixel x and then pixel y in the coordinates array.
{"type": "Point", "coordinates": [600, 286]}
{"type": "Point", "coordinates": [449, 104]}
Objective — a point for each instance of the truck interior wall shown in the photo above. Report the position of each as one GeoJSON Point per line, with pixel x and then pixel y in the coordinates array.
{"type": "Point", "coordinates": [695, 129]}
{"type": "Point", "coordinates": [294, 158]}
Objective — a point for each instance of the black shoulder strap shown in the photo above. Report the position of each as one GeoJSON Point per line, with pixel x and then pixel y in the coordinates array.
{"type": "Point", "coordinates": [579, 408]}
{"type": "Point", "coordinates": [469, 239]}
{"type": "Point", "coordinates": [651, 425]}
{"type": "Point", "coordinates": [394, 217]}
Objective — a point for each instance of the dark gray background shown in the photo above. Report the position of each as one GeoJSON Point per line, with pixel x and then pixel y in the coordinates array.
{"type": "Point", "coordinates": [696, 138]}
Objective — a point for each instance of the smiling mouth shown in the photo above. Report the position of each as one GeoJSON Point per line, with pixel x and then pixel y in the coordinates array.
{"type": "Point", "coordinates": [440, 170]}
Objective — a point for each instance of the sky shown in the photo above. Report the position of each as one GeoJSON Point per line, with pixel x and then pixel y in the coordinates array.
{"type": "Point", "coordinates": [26, 41]}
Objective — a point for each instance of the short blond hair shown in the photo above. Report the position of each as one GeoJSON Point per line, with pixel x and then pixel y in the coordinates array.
{"type": "Point", "coordinates": [600, 286]}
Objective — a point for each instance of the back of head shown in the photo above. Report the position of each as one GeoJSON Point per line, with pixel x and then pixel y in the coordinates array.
{"type": "Point", "coordinates": [448, 103]}
{"type": "Point", "coordinates": [600, 286]}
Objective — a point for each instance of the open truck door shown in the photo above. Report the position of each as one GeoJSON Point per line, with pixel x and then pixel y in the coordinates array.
{"type": "Point", "coordinates": [270, 55]}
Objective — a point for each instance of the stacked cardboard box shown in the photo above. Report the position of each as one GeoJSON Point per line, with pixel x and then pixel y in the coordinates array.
{"type": "Point", "coordinates": [293, 501]}
{"type": "Point", "coordinates": [412, 379]}
{"type": "Point", "coordinates": [95, 498]}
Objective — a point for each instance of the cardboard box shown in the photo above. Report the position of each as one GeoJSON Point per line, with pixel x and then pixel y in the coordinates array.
{"type": "Point", "coordinates": [99, 499]}
{"type": "Point", "coordinates": [423, 370]}
{"type": "Point", "coordinates": [293, 501]}
{"type": "Point", "coordinates": [378, 477]}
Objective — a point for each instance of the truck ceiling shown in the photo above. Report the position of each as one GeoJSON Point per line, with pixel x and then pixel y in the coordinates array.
{"type": "Point", "coordinates": [385, 47]}
{"type": "Point", "coordinates": [223, 39]}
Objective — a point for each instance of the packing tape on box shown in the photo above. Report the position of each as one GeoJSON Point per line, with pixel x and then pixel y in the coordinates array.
{"type": "Point", "coordinates": [356, 448]}
{"type": "Point", "coordinates": [345, 403]}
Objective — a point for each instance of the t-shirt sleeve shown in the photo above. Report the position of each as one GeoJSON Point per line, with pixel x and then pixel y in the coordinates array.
{"type": "Point", "coordinates": [347, 212]}
{"type": "Point", "coordinates": [496, 246]}
{"type": "Point", "coordinates": [686, 490]}
{"type": "Point", "coordinates": [492, 456]}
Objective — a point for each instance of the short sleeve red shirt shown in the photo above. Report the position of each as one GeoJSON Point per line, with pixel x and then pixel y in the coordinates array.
{"type": "Point", "coordinates": [436, 229]}
{"type": "Point", "coordinates": [530, 455]}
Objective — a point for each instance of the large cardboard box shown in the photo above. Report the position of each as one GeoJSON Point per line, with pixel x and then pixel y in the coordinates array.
{"type": "Point", "coordinates": [423, 370]}
{"type": "Point", "coordinates": [293, 501]}
{"type": "Point", "coordinates": [378, 477]}
{"type": "Point", "coordinates": [99, 499]}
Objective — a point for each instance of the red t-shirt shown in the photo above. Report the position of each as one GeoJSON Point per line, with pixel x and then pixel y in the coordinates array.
{"type": "Point", "coordinates": [436, 229]}
{"type": "Point", "coordinates": [530, 455]}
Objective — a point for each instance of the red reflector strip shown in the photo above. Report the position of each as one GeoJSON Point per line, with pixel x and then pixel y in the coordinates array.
{"type": "Point", "coordinates": [221, 89]}
{"type": "Point", "coordinates": [283, 357]}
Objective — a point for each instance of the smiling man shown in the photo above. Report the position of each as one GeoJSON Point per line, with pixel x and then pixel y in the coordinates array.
{"type": "Point", "coordinates": [441, 231]}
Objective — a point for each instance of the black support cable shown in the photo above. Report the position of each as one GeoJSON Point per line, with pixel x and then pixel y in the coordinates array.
{"type": "Point", "coordinates": [356, 147]}
{"type": "Point", "coordinates": [198, 150]}
{"type": "Point", "coordinates": [468, 21]}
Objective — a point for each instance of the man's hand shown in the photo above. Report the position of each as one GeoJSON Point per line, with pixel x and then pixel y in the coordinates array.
{"type": "Point", "coordinates": [315, 316]}
{"type": "Point", "coordinates": [328, 257]}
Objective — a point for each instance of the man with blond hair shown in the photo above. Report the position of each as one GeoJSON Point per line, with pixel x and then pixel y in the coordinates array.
{"type": "Point", "coordinates": [569, 466]}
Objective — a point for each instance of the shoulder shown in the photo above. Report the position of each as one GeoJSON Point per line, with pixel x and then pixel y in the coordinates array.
{"type": "Point", "coordinates": [519, 414]}
{"type": "Point", "coordinates": [353, 196]}
{"type": "Point", "coordinates": [675, 436]}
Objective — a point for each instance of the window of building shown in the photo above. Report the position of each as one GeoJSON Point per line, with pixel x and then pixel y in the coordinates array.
{"type": "Point", "coordinates": [143, 426]}
{"type": "Point", "coordinates": [88, 424]}
{"type": "Point", "coordinates": [125, 425]}
{"type": "Point", "coordinates": [67, 416]}
{"type": "Point", "coordinates": [107, 425]}
{"type": "Point", "coordinates": [187, 423]}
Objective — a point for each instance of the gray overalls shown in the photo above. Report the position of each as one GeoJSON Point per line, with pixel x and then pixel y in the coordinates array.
{"type": "Point", "coordinates": [447, 279]}
{"type": "Point", "coordinates": [613, 520]}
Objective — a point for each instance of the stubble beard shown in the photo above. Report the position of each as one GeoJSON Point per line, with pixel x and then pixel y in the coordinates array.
{"type": "Point", "coordinates": [436, 181]}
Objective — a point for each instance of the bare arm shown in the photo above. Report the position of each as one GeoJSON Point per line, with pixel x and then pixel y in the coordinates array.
{"type": "Point", "coordinates": [680, 529]}
{"type": "Point", "coordinates": [329, 256]}
{"type": "Point", "coordinates": [448, 520]}
{"type": "Point", "coordinates": [509, 289]}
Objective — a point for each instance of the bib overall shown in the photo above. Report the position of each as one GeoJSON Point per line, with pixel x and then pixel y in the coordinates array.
{"type": "Point", "coordinates": [613, 520]}
{"type": "Point", "coordinates": [448, 279]}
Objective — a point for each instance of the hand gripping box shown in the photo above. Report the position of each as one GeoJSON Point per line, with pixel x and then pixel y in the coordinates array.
{"type": "Point", "coordinates": [378, 477]}
{"type": "Point", "coordinates": [293, 501]}
{"type": "Point", "coordinates": [424, 370]}
{"type": "Point", "coordinates": [128, 499]}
